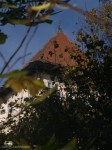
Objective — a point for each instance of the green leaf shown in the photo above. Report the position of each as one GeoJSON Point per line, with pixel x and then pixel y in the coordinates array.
{"type": "Point", "coordinates": [14, 74]}
{"type": "Point", "coordinates": [17, 80]}
{"type": "Point", "coordinates": [80, 73]}
{"type": "Point", "coordinates": [49, 21]}
{"type": "Point", "coordinates": [42, 98]}
{"type": "Point", "coordinates": [91, 142]}
{"type": "Point", "coordinates": [43, 18]}
{"type": "Point", "coordinates": [25, 82]}
{"type": "Point", "coordinates": [22, 143]}
{"type": "Point", "coordinates": [71, 145]}
{"type": "Point", "coordinates": [46, 21]}
{"type": "Point", "coordinates": [51, 145]}
{"type": "Point", "coordinates": [18, 21]}
{"type": "Point", "coordinates": [41, 7]}
{"type": "Point", "coordinates": [9, 6]}
{"type": "Point", "coordinates": [3, 37]}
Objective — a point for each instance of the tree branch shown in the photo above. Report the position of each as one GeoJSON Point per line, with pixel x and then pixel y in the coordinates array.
{"type": "Point", "coordinates": [16, 51]}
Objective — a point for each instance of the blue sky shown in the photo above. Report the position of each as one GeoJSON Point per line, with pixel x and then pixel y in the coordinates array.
{"type": "Point", "coordinates": [67, 19]}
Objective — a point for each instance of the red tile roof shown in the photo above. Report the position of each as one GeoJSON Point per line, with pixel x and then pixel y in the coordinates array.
{"type": "Point", "coordinates": [59, 50]}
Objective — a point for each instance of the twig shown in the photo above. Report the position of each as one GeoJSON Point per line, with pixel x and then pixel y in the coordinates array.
{"type": "Point", "coordinates": [84, 13]}
{"type": "Point", "coordinates": [3, 58]}
{"type": "Point", "coordinates": [19, 60]}
{"type": "Point", "coordinates": [16, 51]}
{"type": "Point", "coordinates": [34, 32]}
{"type": "Point", "coordinates": [27, 44]}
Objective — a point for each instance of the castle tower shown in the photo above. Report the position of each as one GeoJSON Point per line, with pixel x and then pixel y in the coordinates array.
{"type": "Point", "coordinates": [57, 54]}
{"type": "Point", "coordinates": [59, 51]}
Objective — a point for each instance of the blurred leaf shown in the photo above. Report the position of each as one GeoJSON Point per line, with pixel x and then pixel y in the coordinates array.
{"type": "Point", "coordinates": [16, 74]}
{"type": "Point", "coordinates": [17, 80]}
{"type": "Point", "coordinates": [19, 21]}
{"type": "Point", "coordinates": [25, 82]}
{"type": "Point", "coordinates": [43, 18]}
{"type": "Point", "coordinates": [42, 98]}
{"type": "Point", "coordinates": [91, 142]}
{"type": "Point", "coordinates": [41, 7]}
{"type": "Point", "coordinates": [49, 21]}
{"type": "Point", "coordinates": [9, 6]}
{"type": "Point", "coordinates": [71, 145]}
{"type": "Point", "coordinates": [80, 73]}
{"type": "Point", "coordinates": [3, 37]}
{"type": "Point", "coordinates": [21, 144]}
{"type": "Point", "coordinates": [51, 145]}
{"type": "Point", "coordinates": [15, 84]}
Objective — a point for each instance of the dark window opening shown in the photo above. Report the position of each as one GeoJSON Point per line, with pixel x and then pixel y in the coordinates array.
{"type": "Point", "coordinates": [56, 45]}
{"type": "Point", "coordinates": [50, 84]}
{"type": "Point", "coordinates": [42, 57]}
{"type": "Point", "coordinates": [50, 53]}
{"type": "Point", "coordinates": [61, 56]}
{"type": "Point", "coordinates": [66, 49]}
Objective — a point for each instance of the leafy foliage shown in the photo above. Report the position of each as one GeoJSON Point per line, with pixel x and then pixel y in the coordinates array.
{"type": "Point", "coordinates": [29, 13]}
{"type": "Point", "coordinates": [104, 12]}
{"type": "Point", "coordinates": [18, 81]}
{"type": "Point", "coordinates": [86, 112]}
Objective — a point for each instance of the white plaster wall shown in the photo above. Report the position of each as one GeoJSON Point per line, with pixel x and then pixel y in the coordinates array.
{"type": "Point", "coordinates": [18, 99]}
{"type": "Point", "coordinates": [4, 107]}
{"type": "Point", "coordinates": [15, 99]}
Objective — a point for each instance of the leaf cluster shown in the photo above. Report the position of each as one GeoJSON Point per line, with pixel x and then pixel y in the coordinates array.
{"type": "Point", "coordinates": [18, 80]}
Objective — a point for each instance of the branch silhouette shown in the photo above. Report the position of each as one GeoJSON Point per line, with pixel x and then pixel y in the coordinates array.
{"type": "Point", "coordinates": [16, 51]}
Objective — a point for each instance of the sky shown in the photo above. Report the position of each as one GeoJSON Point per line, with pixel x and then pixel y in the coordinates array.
{"type": "Point", "coordinates": [68, 20]}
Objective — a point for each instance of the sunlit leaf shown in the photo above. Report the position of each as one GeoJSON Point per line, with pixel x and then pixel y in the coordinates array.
{"type": "Point", "coordinates": [41, 7]}
{"type": "Point", "coordinates": [19, 21]}
{"type": "Point", "coordinates": [16, 74]}
{"type": "Point", "coordinates": [33, 85]}
{"type": "Point", "coordinates": [44, 18]}
{"type": "Point", "coordinates": [17, 80]}
{"type": "Point", "coordinates": [15, 84]}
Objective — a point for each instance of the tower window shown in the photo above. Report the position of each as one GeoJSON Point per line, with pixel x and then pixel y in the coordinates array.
{"type": "Point", "coordinates": [61, 56]}
{"type": "Point", "coordinates": [50, 85]}
{"type": "Point", "coordinates": [50, 53]}
{"type": "Point", "coordinates": [42, 57]}
{"type": "Point", "coordinates": [66, 49]}
{"type": "Point", "coordinates": [56, 45]}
